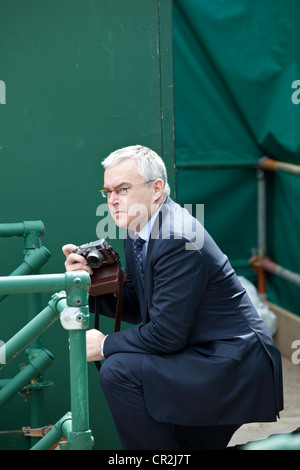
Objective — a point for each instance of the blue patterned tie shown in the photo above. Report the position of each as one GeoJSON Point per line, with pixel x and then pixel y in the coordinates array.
{"type": "Point", "coordinates": [137, 248]}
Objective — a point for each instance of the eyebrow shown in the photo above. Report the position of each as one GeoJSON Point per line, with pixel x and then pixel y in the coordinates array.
{"type": "Point", "coordinates": [120, 185]}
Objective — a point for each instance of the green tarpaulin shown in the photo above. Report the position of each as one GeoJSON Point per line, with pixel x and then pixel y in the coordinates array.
{"type": "Point", "coordinates": [236, 68]}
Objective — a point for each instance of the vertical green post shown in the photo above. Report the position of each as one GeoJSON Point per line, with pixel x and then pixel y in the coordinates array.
{"type": "Point", "coordinates": [33, 231]}
{"type": "Point", "coordinates": [75, 318]}
{"type": "Point", "coordinates": [80, 437]}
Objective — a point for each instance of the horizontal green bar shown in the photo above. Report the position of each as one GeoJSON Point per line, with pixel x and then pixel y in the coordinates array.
{"type": "Point", "coordinates": [12, 230]}
{"type": "Point", "coordinates": [34, 283]}
{"type": "Point", "coordinates": [21, 229]}
{"type": "Point", "coordinates": [42, 282]}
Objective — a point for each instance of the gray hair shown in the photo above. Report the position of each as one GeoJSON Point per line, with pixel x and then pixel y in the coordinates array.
{"type": "Point", "coordinates": [150, 165]}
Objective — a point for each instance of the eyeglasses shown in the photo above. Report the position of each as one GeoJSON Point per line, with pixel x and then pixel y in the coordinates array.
{"type": "Point", "coordinates": [106, 193]}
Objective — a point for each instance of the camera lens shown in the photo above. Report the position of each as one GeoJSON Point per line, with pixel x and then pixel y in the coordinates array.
{"type": "Point", "coordinates": [95, 258]}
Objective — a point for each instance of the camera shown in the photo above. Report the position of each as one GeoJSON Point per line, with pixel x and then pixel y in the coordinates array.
{"type": "Point", "coordinates": [108, 276]}
{"type": "Point", "coordinates": [97, 253]}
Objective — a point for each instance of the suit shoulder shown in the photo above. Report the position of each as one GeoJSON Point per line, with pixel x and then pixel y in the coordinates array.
{"type": "Point", "coordinates": [176, 222]}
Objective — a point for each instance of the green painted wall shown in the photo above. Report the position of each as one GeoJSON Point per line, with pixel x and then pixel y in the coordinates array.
{"type": "Point", "coordinates": [82, 78]}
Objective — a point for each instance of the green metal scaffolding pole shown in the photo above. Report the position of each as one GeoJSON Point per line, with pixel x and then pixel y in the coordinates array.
{"type": "Point", "coordinates": [34, 328]}
{"type": "Point", "coordinates": [74, 314]}
{"type": "Point", "coordinates": [36, 366]}
{"type": "Point", "coordinates": [33, 261]}
{"type": "Point", "coordinates": [61, 429]}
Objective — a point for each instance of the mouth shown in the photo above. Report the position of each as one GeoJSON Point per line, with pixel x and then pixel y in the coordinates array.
{"type": "Point", "coordinates": [117, 213]}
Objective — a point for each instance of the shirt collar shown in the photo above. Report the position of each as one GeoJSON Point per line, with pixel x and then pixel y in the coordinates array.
{"type": "Point", "coordinates": [146, 230]}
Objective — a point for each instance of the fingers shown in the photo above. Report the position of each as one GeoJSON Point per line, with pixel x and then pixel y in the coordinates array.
{"type": "Point", "coordinates": [67, 249]}
{"type": "Point", "coordinates": [75, 262]}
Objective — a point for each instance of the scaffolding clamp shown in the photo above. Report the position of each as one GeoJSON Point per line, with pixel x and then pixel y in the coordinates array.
{"type": "Point", "coordinates": [36, 432]}
{"type": "Point", "coordinates": [74, 318]}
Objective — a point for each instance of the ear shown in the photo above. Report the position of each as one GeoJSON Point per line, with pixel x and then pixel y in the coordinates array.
{"type": "Point", "coordinates": [158, 187]}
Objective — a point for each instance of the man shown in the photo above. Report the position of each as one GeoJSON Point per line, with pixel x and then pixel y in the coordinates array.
{"type": "Point", "coordinates": [199, 361]}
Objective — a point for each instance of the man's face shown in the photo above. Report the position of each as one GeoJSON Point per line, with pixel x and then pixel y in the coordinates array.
{"type": "Point", "coordinates": [131, 210]}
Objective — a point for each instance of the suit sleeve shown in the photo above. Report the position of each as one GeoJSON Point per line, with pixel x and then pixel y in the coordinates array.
{"type": "Point", "coordinates": [179, 280]}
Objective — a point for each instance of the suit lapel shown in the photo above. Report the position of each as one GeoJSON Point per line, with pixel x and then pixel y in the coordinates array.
{"type": "Point", "coordinates": [145, 291]}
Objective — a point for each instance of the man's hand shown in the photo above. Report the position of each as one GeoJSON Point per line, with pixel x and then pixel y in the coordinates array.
{"type": "Point", "coordinates": [94, 339]}
{"type": "Point", "coordinates": [75, 262]}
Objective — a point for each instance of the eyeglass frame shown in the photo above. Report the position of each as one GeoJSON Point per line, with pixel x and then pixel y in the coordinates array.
{"type": "Point", "coordinates": [106, 193]}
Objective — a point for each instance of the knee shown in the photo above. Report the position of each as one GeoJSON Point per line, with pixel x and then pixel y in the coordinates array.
{"type": "Point", "coordinates": [109, 372]}
{"type": "Point", "coordinates": [120, 370]}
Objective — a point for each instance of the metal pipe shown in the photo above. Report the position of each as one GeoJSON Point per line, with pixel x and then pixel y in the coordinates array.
{"type": "Point", "coordinates": [37, 365]}
{"type": "Point", "coordinates": [12, 230]}
{"type": "Point", "coordinates": [21, 229]}
{"type": "Point", "coordinates": [35, 257]}
{"type": "Point", "coordinates": [34, 328]}
{"type": "Point", "coordinates": [76, 286]}
{"type": "Point", "coordinates": [75, 425]}
{"type": "Point", "coordinates": [62, 428]}
{"type": "Point", "coordinates": [79, 436]}
{"type": "Point", "coordinates": [4, 382]}
{"type": "Point", "coordinates": [43, 282]}
{"type": "Point", "coordinates": [33, 283]}
{"type": "Point", "coordinates": [79, 381]}
{"type": "Point", "coordinates": [32, 232]}
{"type": "Point", "coordinates": [261, 230]}
{"type": "Point", "coordinates": [273, 268]}
{"type": "Point", "coordinates": [31, 264]}
{"type": "Point", "coordinates": [261, 213]}
{"type": "Point", "coordinates": [76, 320]}
{"type": "Point", "coordinates": [273, 165]}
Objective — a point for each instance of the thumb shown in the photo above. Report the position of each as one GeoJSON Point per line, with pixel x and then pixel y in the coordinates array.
{"type": "Point", "coordinates": [67, 249]}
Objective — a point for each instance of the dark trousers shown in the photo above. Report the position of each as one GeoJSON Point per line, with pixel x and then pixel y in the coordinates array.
{"type": "Point", "coordinates": [121, 381]}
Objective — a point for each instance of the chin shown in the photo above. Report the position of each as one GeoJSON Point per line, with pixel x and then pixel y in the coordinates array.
{"type": "Point", "coordinates": [120, 221]}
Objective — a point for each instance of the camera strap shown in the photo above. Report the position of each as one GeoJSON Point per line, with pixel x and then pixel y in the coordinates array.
{"type": "Point", "coordinates": [116, 287]}
{"type": "Point", "coordinates": [121, 280]}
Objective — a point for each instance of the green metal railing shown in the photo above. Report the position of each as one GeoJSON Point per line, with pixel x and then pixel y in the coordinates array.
{"type": "Point", "coordinates": [35, 256]}
{"type": "Point", "coordinates": [70, 304]}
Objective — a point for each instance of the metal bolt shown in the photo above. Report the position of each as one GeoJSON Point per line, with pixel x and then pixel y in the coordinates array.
{"type": "Point", "coordinates": [77, 281]}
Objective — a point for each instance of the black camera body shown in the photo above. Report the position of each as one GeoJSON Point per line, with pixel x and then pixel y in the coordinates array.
{"type": "Point", "coordinates": [97, 253]}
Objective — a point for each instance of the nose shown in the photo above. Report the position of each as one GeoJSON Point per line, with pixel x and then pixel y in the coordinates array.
{"type": "Point", "coordinates": [113, 198]}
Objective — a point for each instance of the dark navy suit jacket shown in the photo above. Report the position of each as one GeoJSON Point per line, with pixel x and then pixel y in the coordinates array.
{"type": "Point", "coordinates": [208, 358]}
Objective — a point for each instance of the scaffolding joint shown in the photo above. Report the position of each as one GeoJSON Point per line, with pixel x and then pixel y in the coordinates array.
{"type": "Point", "coordinates": [74, 318]}
{"type": "Point", "coordinates": [36, 432]}
{"type": "Point", "coordinates": [77, 286]}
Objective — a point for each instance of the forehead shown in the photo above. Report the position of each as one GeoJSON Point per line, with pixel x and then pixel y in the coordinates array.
{"type": "Point", "coordinates": [124, 172]}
